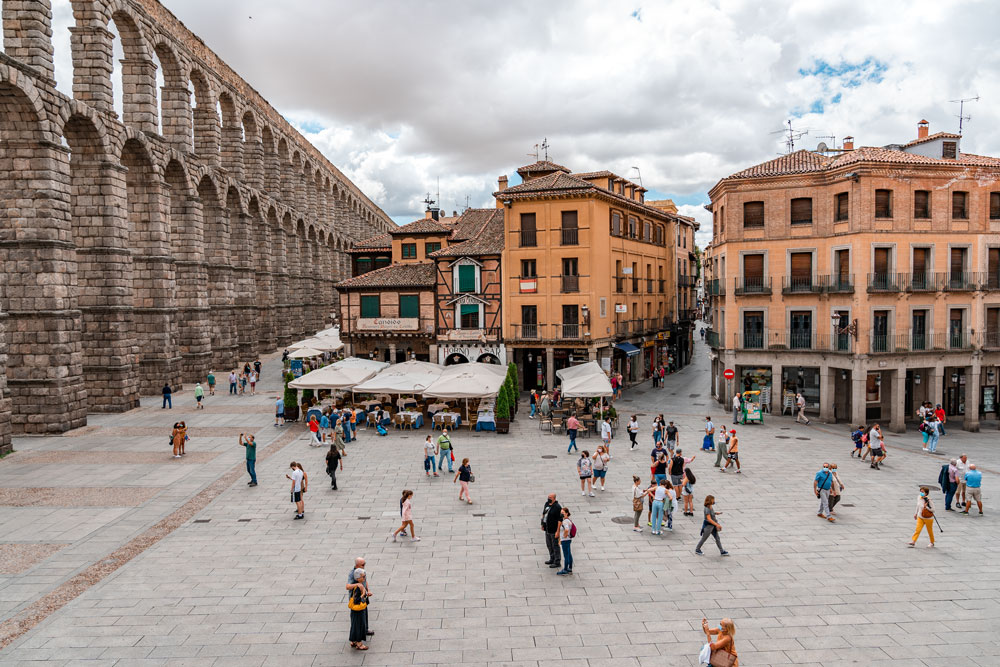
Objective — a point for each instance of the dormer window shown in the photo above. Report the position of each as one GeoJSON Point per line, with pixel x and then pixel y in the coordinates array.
{"type": "Point", "coordinates": [949, 150]}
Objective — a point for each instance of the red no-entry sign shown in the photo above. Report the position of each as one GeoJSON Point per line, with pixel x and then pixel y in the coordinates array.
{"type": "Point", "coordinates": [729, 374]}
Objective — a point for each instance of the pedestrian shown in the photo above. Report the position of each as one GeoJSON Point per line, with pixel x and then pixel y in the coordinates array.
{"type": "Point", "coordinates": [199, 394]}
{"type": "Point", "coordinates": [710, 527]}
{"type": "Point", "coordinates": [633, 430]}
{"type": "Point", "coordinates": [973, 484]}
{"type": "Point", "coordinates": [279, 412]}
{"type": "Point", "coordinates": [606, 434]}
{"type": "Point", "coordinates": [687, 492]}
{"type": "Point", "coordinates": [314, 432]}
{"type": "Point", "coordinates": [572, 428]}
{"type": "Point", "coordinates": [253, 383]}
{"type": "Point", "coordinates": [338, 437]}
{"type": "Point", "coordinates": [725, 644]}
{"type": "Point", "coordinates": [585, 468]}
{"type": "Point", "coordinates": [333, 461]}
{"type": "Point", "coordinates": [924, 516]}
{"type": "Point", "coordinates": [639, 494]}
{"type": "Point", "coordinates": [567, 531]}
{"type": "Point", "coordinates": [876, 443]}
{"type": "Point", "coordinates": [942, 417]}
{"type": "Point", "coordinates": [858, 438]}
{"type": "Point", "coordinates": [658, 458]}
{"type": "Point", "coordinates": [677, 465]}
{"type": "Point", "coordinates": [533, 403]}
{"type": "Point", "coordinates": [358, 604]}
{"type": "Point", "coordinates": [545, 406]}
{"type": "Point", "coordinates": [551, 518]}
{"type": "Point", "coordinates": [722, 449]}
{"type": "Point", "coordinates": [671, 432]}
{"type": "Point", "coordinates": [663, 372]}
{"type": "Point", "coordinates": [211, 383]}
{"type": "Point", "coordinates": [464, 475]}
{"type": "Point", "coordinates": [657, 429]}
{"type": "Point", "coordinates": [601, 461]}
{"type": "Point", "coordinates": [663, 500]}
{"type": "Point", "coordinates": [946, 479]}
{"type": "Point", "coordinates": [961, 469]}
{"type": "Point", "coordinates": [656, 377]}
{"type": "Point", "coordinates": [178, 436]}
{"type": "Point", "coordinates": [407, 518]}
{"type": "Point", "coordinates": [324, 427]}
{"type": "Point", "coordinates": [934, 434]}
{"type": "Point", "coordinates": [353, 421]}
{"type": "Point", "coordinates": [708, 442]}
{"type": "Point", "coordinates": [733, 456]}
{"type": "Point", "coordinates": [822, 482]}
{"type": "Point", "coordinates": [836, 489]}
{"type": "Point", "coordinates": [167, 392]}
{"type": "Point", "coordinates": [232, 382]}
{"type": "Point", "coordinates": [251, 452]}
{"type": "Point", "coordinates": [800, 404]}
{"type": "Point", "coordinates": [430, 463]}
{"type": "Point", "coordinates": [446, 451]}
{"type": "Point", "coordinates": [614, 386]}
{"type": "Point", "coordinates": [297, 476]}
{"type": "Point", "coordinates": [737, 404]}
{"type": "Point", "coordinates": [257, 366]}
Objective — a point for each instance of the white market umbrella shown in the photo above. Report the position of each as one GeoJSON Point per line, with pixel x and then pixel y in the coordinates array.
{"type": "Point", "coordinates": [341, 375]}
{"type": "Point", "coordinates": [585, 380]}
{"type": "Point", "coordinates": [472, 380]}
{"type": "Point", "coordinates": [409, 377]}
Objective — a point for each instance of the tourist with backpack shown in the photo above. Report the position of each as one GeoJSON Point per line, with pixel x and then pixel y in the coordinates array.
{"type": "Point", "coordinates": [858, 438]}
{"type": "Point", "coordinates": [677, 465]}
{"type": "Point", "coordinates": [567, 531]}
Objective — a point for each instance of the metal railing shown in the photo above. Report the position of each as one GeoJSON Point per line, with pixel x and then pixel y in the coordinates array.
{"type": "Point", "coordinates": [962, 282]}
{"type": "Point", "coordinates": [528, 331]}
{"type": "Point", "coordinates": [886, 282]}
{"type": "Point", "coordinates": [715, 287]}
{"type": "Point", "coordinates": [529, 238]}
{"type": "Point", "coordinates": [802, 284]}
{"type": "Point", "coordinates": [840, 283]}
{"type": "Point", "coordinates": [922, 282]}
{"type": "Point", "coordinates": [570, 236]}
{"type": "Point", "coordinates": [991, 281]}
{"type": "Point", "coordinates": [991, 340]}
{"type": "Point", "coordinates": [745, 286]}
{"type": "Point", "coordinates": [570, 284]}
{"type": "Point", "coordinates": [712, 338]}
{"type": "Point", "coordinates": [570, 331]}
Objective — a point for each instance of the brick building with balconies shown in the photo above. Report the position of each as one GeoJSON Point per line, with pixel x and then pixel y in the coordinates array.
{"type": "Point", "coordinates": [866, 278]}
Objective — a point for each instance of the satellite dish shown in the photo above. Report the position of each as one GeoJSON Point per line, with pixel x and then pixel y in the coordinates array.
{"type": "Point", "coordinates": [822, 147]}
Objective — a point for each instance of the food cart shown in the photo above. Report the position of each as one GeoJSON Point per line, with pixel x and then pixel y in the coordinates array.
{"type": "Point", "coordinates": [751, 409]}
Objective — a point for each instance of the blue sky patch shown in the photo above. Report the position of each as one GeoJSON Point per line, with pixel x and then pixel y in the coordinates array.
{"type": "Point", "coordinates": [850, 75]}
{"type": "Point", "coordinates": [311, 127]}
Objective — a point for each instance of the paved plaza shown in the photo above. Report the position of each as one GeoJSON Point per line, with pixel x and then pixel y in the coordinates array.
{"type": "Point", "coordinates": [114, 553]}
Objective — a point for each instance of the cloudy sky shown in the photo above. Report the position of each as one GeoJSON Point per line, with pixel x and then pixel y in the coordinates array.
{"type": "Point", "coordinates": [400, 95]}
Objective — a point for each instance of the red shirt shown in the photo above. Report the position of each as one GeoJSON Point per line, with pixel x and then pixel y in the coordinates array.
{"type": "Point", "coordinates": [314, 426]}
{"type": "Point", "coordinates": [939, 413]}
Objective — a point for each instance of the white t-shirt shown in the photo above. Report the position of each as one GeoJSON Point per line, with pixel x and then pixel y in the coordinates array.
{"type": "Point", "coordinates": [873, 439]}
{"type": "Point", "coordinates": [600, 461]}
{"type": "Point", "coordinates": [633, 426]}
{"type": "Point", "coordinates": [567, 525]}
{"type": "Point", "coordinates": [800, 401]}
{"type": "Point", "coordinates": [297, 480]}
{"type": "Point", "coordinates": [736, 402]}
{"type": "Point", "coordinates": [660, 493]}
{"type": "Point", "coordinates": [961, 468]}
{"type": "Point", "coordinates": [638, 491]}
{"type": "Point", "coordinates": [605, 430]}
{"type": "Point", "coordinates": [428, 448]}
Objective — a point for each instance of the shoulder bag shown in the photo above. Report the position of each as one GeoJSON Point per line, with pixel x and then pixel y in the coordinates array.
{"type": "Point", "coordinates": [360, 605]}
{"type": "Point", "coordinates": [722, 658]}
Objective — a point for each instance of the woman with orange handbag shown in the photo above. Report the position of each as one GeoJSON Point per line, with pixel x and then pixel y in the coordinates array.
{"type": "Point", "coordinates": [358, 604]}
{"type": "Point", "coordinates": [721, 652]}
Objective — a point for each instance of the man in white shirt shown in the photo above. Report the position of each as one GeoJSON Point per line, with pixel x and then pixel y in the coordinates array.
{"type": "Point", "coordinates": [737, 404]}
{"type": "Point", "coordinates": [961, 467]}
{"type": "Point", "coordinates": [606, 435]}
{"type": "Point", "coordinates": [800, 403]}
{"type": "Point", "coordinates": [296, 477]}
{"type": "Point", "coordinates": [877, 445]}
{"type": "Point", "coordinates": [708, 442]}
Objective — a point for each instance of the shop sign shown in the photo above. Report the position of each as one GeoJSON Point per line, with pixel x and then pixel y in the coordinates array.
{"type": "Point", "coordinates": [649, 343]}
{"type": "Point", "coordinates": [388, 323]}
{"type": "Point", "coordinates": [621, 308]}
{"type": "Point", "coordinates": [529, 285]}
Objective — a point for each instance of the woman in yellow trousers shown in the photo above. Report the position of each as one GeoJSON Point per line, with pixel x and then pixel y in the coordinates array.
{"type": "Point", "coordinates": [924, 517]}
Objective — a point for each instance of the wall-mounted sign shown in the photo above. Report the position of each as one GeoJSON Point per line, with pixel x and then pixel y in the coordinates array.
{"type": "Point", "coordinates": [388, 323]}
{"type": "Point", "coordinates": [529, 285]}
{"type": "Point", "coordinates": [627, 271]}
{"type": "Point", "coordinates": [621, 308]}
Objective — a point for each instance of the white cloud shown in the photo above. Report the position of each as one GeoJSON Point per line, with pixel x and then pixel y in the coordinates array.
{"type": "Point", "coordinates": [415, 92]}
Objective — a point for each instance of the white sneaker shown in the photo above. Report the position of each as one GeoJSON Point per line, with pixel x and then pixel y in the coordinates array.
{"type": "Point", "coordinates": [592, 494]}
{"type": "Point", "coordinates": [394, 537]}
{"type": "Point", "coordinates": [925, 449]}
{"type": "Point", "coordinates": [583, 493]}
{"type": "Point", "coordinates": [414, 539]}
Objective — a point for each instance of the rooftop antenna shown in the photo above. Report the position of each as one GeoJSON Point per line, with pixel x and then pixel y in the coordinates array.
{"type": "Point", "coordinates": [430, 202]}
{"type": "Point", "coordinates": [833, 142]}
{"type": "Point", "coordinates": [467, 198]}
{"type": "Point", "coordinates": [545, 147]}
{"type": "Point", "coordinates": [791, 135]}
{"type": "Point", "coordinates": [439, 189]}
{"type": "Point", "coordinates": [961, 110]}
{"type": "Point", "coordinates": [535, 153]}
{"type": "Point", "coordinates": [638, 175]}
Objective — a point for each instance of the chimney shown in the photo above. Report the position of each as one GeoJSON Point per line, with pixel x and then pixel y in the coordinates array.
{"type": "Point", "coordinates": [502, 183]}
{"type": "Point", "coordinates": [848, 143]}
{"type": "Point", "coordinates": [923, 128]}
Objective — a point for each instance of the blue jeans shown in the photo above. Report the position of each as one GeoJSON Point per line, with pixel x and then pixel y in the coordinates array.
{"type": "Point", "coordinates": [445, 456]}
{"type": "Point", "coordinates": [659, 477]}
{"type": "Point", "coordinates": [657, 515]}
{"type": "Point", "coordinates": [347, 432]}
{"type": "Point", "coordinates": [251, 468]}
{"type": "Point", "coordinates": [949, 495]}
{"type": "Point", "coordinates": [167, 402]}
{"type": "Point", "coordinates": [932, 442]}
{"type": "Point", "coordinates": [533, 406]}
{"type": "Point", "coordinates": [430, 464]}
{"type": "Point", "coordinates": [941, 428]}
{"type": "Point", "coordinates": [572, 440]}
{"type": "Point", "coordinates": [567, 555]}
{"type": "Point", "coordinates": [232, 387]}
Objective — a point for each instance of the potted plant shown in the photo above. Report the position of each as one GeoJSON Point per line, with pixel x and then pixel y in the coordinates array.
{"type": "Point", "coordinates": [510, 382]}
{"type": "Point", "coordinates": [291, 404]}
{"type": "Point", "coordinates": [503, 409]}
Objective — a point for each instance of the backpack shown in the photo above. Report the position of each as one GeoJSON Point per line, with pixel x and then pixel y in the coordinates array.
{"type": "Point", "coordinates": [572, 529]}
{"type": "Point", "coordinates": [381, 430]}
{"type": "Point", "coordinates": [690, 476]}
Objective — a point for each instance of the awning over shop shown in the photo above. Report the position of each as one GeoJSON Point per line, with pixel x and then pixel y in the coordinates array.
{"type": "Point", "coordinates": [628, 348]}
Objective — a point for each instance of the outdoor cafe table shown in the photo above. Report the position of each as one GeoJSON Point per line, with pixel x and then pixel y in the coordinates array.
{"type": "Point", "coordinates": [437, 407]}
{"type": "Point", "coordinates": [451, 419]}
{"type": "Point", "coordinates": [418, 419]}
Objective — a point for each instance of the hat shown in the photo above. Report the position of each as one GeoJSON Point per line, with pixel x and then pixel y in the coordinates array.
{"type": "Point", "coordinates": [732, 430]}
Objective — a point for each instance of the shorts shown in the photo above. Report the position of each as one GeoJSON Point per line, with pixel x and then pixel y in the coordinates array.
{"type": "Point", "coordinates": [198, 398]}
{"type": "Point", "coordinates": [599, 474]}
{"type": "Point", "coordinates": [876, 452]}
{"type": "Point", "coordinates": [280, 414]}
{"type": "Point", "coordinates": [734, 456]}
{"type": "Point", "coordinates": [976, 494]}
{"type": "Point", "coordinates": [296, 496]}
{"type": "Point", "coordinates": [859, 445]}
{"type": "Point", "coordinates": [677, 480]}
{"type": "Point", "coordinates": [585, 476]}
{"type": "Point", "coordinates": [671, 445]}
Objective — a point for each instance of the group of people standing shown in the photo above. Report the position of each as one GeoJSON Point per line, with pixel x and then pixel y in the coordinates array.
{"type": "Point", "coordinates": [932, 421]}
{"type": "Point", "coordinates": [239, 379]}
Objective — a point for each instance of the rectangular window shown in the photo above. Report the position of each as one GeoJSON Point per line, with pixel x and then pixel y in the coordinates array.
{"type": "Point", "coordinates": [918, 333]}
{"type": "Point", "coordinates": [958, 278]}
{"type": "Point", "coordinates": [880, 331]}
{"type": "Point", "coordinates": [570, 275]}
{"type": "Point", "coordinates": [570, 233]}
{"type": "Point", "coordinates": [992, 327]}
{"type": "Point", "coordinates": [883, 203]}
{"type": "Point", "coordinates": [920, 278]}
{"type": "Point", "coordinates": [470, 316]}
{"type": "Point", "coordinates": [753, 330]}
{"type": "Point", "coordinates": [370, 306]}
{"type": "Point", "coordinates": [647, 232]}
{"type": "Point", "coordinates": [995, 206]}
{"type": "Point", "coordinates": [843, 264]}
{"type": "Point", "coordinates": [753, 267]}
{"type": "Point", "coordinates": [616, 223]}
{"type": "Point", "coordinates": [753, 214]}
{"type": "Point", "coordinates": [381, 262]}
{"type": "Point", "coordinates": [993, 268]}
{"type": "Point", "coordinates": [529, 237]}
{"type": "Point", "coordinates": [960, 205]}
{"type": "Point", "coordinates": [802, 211]}
{"type": "Point", "coordinates": [633, 227]}
{"type": "Point", "coordinates": [801, 330]}
{"type": "Point", "coordinates": [956, 328]}
{"type": "Point", "coordinates": [528, 269]}
{"type": "Point", "coordinates": [841, 207]}
{"type": "Point", "coordinates": [529, 321]}
{"type": "Point", "coordinates": [801, 272]}
{"type": "Point", "coordinates": [409, 251]}
{"type": "Point", "coordinates": [409, 305]}
{"type": "Point", "coordinates": [921, 204]}
{"type": "Point", "coordinates": [949, 150]}
{"type": "Point", "coordinates": [571, 322]}
{"type": "Point", "coordinates": [466, 278]}
{"type": "Point", "coordinates": [364, 265]}
{"type": "Point", "coordinates": [431, 246]}
{"type": "Point", "coordinates": [604, 306]}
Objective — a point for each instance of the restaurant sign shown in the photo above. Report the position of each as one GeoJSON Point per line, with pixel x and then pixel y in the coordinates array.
{"type": "Point", "coordinates": [388, 323]}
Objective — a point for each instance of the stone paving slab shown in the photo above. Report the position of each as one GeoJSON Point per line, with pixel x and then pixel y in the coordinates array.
{"type": "Point", "coordinates": [75, 496]}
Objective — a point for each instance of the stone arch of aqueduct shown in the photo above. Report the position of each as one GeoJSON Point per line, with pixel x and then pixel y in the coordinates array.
{"type": "Point", "coordinates": [133, 257]}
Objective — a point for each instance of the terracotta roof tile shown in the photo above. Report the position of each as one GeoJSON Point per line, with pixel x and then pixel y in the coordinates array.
{"type": "Point", "coordinates": [378, 242]}
{"type": "Point", "coordinates": [541, 165]}
{"type": "Point", "coordinates": [422, 226]}
{"type": "Point", "coordinates": [394, 275]}
{"type": "Point", "coordinates": [488, 239]}
{"type": "Point", "coordinates": [470, 223]}
{"type": "Point", "coordinates": [799, 162]}
{"type": "Point", "coordinates": [561, 183]}
{"type": "Point", "coordinates": [932, 137]}
{"type": "Point", "coordinates": [604, 173]}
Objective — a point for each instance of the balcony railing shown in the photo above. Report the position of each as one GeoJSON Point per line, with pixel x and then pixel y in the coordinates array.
{"type": "Point", "coordinates": [922, 282]}
{"type": "Point", "coordinates": [661, 285]}
{"type": "Point", "coordinates": [840, 283]}
{"type": "Point", "coordinates": [529, 238]}
{"type": "Point", "coordinates": [570, 236]}
{"type": "Point", "coordinates": [570, 284]}
{"type": "Point", "coordinates": [991, 281]}
{"type": "Point", "coordinates": [716, 287]}
{"type": "Point", "coordinates": [886, 282]}
{"type": "Point", "coordinates": [802, 284]}
{"type": "Point", "coordinates": [962, 282]}
{"type": "Point", "coordinates": [649, 285]}
{"type": "Point", "coordinates": [780, 341]}
{"type": "Point", "coordinates": [889, 343]}
{"type": "Point", "coordinates": [620, 284]}
{"type": "Point", "coordinates": [991, 340]}
{"type": "Point", "coordinates": [571, 331]}
{"type": "Point", "coordinates": [959, 340]}
{"type": "Point", "coordinates": [712, 338]}
{"type": "Point", "coordinates": [746, 286]}
{"type": "Point", "coordinates": [528, 331]}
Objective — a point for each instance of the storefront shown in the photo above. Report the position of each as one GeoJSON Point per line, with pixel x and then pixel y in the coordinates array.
{"type": "Point", "coordinates": [626, 361]}
{"type": "Point", "coordinates": [460, 353]}
{"type": "Point", "coordinates": [531, 365]}
{"type": "Point", "coordinates": [804, 379]}
{"type": "Point", "coordinates": [649, 360]}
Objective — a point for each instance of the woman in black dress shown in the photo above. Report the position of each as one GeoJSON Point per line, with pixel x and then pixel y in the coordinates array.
{"type": "Point", "coordinates": [333, 461]}
{"type": "Point", "coordinates": [359, 617]}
